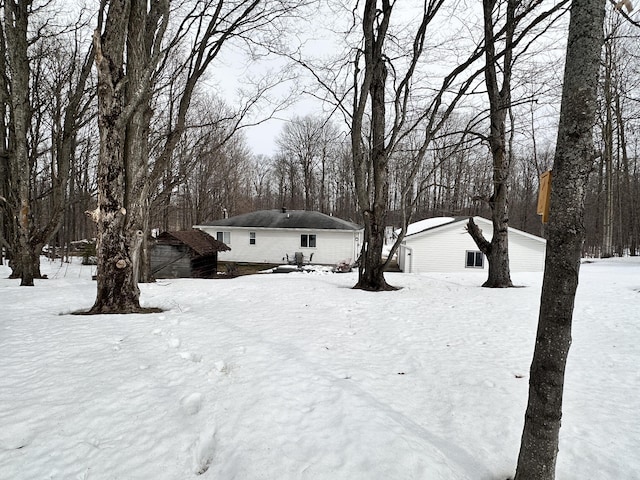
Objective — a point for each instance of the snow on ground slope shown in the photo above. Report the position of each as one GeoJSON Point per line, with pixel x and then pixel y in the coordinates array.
{"type": "Point", "coordinates": [300, 377]}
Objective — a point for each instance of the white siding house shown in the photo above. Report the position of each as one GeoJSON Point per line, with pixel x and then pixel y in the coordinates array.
{"type": "Point", "coordinates": [276, 236]}
{"type": "Point", "coordinates": [442, 244]}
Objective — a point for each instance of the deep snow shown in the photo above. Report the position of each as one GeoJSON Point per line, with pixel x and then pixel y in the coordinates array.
{"type": "Point", "coordinates": [298, 376]}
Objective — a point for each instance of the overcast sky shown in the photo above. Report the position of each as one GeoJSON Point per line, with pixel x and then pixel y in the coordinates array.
{"type": "Point", "coordinates": [320, 41]}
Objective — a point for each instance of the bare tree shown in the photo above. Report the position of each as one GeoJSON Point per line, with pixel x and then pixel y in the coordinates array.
{"type": "Point", "coordinates": [132, 34]}
{"type": "Point", "coordinates": [47, 71]}
{"type": "Point", "coordinates": [609, 88]}
{"type": "Point", "coordinates": [572, 163]}
{"type": "Point", "coordinates": [6, 225]}
{"type": "Point", "coordinates": [616, 219]}
{"type": "Point", "coordinates": [500, 63]}
{"type": "Point", "coordinates": [309, 141]}
{"type": "Point", "coordinates": [262, 184]}
{"type": "Point", "coordinates": [117, 286]}
{"type": "Point", "coordinates": [376, 133]}
{"type": "Point", "coordinates": [16, 20]}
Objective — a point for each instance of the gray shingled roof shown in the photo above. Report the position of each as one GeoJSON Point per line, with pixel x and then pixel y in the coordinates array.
{"type": "Point", "coordinates": [282, 218]}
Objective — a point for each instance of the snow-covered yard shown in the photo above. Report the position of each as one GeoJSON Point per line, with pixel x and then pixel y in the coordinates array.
{"type": "Point", "coordinates": [300, 377]}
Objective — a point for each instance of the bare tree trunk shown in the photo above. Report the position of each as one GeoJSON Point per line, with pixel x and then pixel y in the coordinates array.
{"type": "Point", "coordinates": [371, 161]}
{"type": "Point", "coordinates": [497, 251]}
{"type": "Point", "coordinates": [573, 160]}
{"type": "Point", "coordinates": [33, 230]}
{"type": "Point", "coordinates": [5, 214]}
{"type": "Point", "coordinates": [621, 76]}
{"type": "Point", "coordinates": [140, 45]}
{"type": "Point", "coordinates": [500, 64]}
{"type": "Point", "coordinates": [607, 138]}
{"type": "Point", "coordinates": [125, 179]}
{"type": "Point", "coordinates": [371, 268]}
{"type": "Point", "coordinates": [124, 120]}
{"type": "Point", "coordinates": [628, 215]}
{"type": "Point", "coordinates": [117, 287]}
{"type": "Point", "coordinates": [24, 258]}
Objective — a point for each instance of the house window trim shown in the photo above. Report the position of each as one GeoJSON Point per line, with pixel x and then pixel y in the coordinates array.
{"type": "Point", "coordinates": [475, 259]}
{"type": "Point", "coordinates": [221, 234]}
{"type": "Point", "coordinates": [308, 240]}
{"type": "Point", "coordinates": [252, 238]}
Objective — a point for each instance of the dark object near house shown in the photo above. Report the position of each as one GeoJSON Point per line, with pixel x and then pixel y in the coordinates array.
{"type": "Point", "coordinates": [185, 254]}
{"type": "Point", "coordinates": [299, 259]}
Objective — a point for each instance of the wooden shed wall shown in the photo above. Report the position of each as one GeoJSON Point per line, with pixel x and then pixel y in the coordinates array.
{"type": "Point", "coordinates": [172, 261]}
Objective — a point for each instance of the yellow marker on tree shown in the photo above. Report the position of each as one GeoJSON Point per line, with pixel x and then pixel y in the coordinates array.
{"type": "Point", "coordinates": [544, 195]}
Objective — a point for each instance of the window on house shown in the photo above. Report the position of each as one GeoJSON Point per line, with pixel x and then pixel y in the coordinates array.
{"type": "Point", "coordinates": [252, 238]}
{"type": "Point", "coordinates": [224, 237]}
{"type": "Point", "coordinates": [475, 259]}
{"type": "Point", "coordinates": [308, 241]}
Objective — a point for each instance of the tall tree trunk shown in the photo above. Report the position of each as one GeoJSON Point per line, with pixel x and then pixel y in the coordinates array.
{"type": "Point", "coordinates": [32, 231]}
{"type": "Point", "coordinates": [371, 268]}
{"type": "Point", "coordinates": [6, 224]}
{"type": "Point", "coordinates": [117, 289]}
{"type": "Point", "coordinates": [607, 137]}
{"type": "Point", "coordinates": [497, 251]}
{"type": "Point", "coordinates": [24, 258]}
{"type": "Point", "coordinates": [629, 218]}
{"type": "Point", "coordinates": [124, 118]}
{"type": "Point", "coordinates": [136, 155]}
{"type": "Point", "coordinates": [371, 163]}
{"type": "Point", "coordinates": [573, 161]}
{"type": "Point", "coordinates": [627, 215]}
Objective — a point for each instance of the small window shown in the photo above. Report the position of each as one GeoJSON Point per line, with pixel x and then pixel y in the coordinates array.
{"type": "Point", "coordinates": [307, 241]}
{"type": "Point", "coordinates": [474, 259]}
{"type": "Point", "coordinates": [252, 238]}
{"type": "Point", "coordinates": [224, 237]}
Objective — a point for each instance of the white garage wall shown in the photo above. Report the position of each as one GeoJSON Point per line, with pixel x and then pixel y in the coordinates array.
{"type": "Point", "coordinates": [444, 248]}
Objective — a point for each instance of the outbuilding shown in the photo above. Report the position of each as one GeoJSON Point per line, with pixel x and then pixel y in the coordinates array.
{"type": "Point", "coordinates": [286, 236]}
{"type": "Point", "coordinates": [185, 254]}
{"type": "Point", "coordinates": [442, 244]}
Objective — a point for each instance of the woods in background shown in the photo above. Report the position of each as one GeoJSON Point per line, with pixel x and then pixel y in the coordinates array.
{"type": "Point", "coordinates": [200, 166]}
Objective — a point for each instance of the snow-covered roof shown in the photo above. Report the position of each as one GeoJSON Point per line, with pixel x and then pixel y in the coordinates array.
{"type": "Point", "coordinates": [436, 222]}
{"type": "Point", "coordinates": [283, 218]}
{"type": "Point", "coordinates": [428, 223]}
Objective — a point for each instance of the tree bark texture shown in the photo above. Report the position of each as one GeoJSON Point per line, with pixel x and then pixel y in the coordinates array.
{"type": "Point", "coordinates": [7, 227]}
{"type": "Point", "coordinates": [572, 163]}
{"type": "Point", "coordinates": [371, 268]}
{"type": "Point", "coordinates": [117, 290]}
{"type": "Point", "coordinates": [607, 155]}
{"type": "Point", "coordinates": [497, 251]}
{"type": "Point", "coordinates": [131, 35]}
{"type": "Point", "coordinates": [371, 163]}
{"type": "Point", "coordinates": [24, 258]}
{"type": "Point", "coordinates": [136, 155]}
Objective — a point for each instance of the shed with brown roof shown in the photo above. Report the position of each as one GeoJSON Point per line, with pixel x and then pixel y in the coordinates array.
{"type": "Point", "coordinates": [185, 254]}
